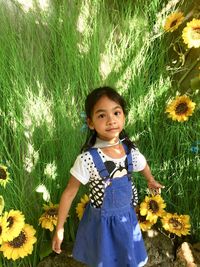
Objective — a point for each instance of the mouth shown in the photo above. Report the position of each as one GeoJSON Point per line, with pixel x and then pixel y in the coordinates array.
{"type": "Point", "coordinates": [112, 130]}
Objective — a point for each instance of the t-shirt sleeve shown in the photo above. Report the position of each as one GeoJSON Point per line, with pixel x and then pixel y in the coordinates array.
{"type": "Point", "coordinates": [139, 161]}
{"type": "Point", "coordinates": [79, 170]}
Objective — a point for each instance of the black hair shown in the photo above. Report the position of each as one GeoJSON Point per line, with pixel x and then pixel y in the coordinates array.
{"type": "Point", "coordinates": [91, 101]}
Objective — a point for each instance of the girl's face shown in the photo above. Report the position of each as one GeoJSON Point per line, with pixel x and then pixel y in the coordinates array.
{"type": "Point", "coordinates": [107, 119]}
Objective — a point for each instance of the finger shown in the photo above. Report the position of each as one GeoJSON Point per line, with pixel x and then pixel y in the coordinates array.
{"type": "Point", "coordinates": [156, 191]}
{"type": "Point", "coordinates": [160, 186]}
{"type": "Point", "coordinates": [153, 191]}
{"type": "Point", "coordinates": [56, 248]}
{"type": "Point", "coordinates": [58, 251]}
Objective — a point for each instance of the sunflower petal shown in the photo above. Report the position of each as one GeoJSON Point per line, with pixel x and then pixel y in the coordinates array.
{"type": "Point", "coordinates": [180, 108]}
{"type": "Point", "coordinates": [173, 21]}
{"type": "Point", "coordinates": [191, 34]}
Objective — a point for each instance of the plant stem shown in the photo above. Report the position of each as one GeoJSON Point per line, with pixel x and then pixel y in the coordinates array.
{"type": "Point", "coordinates": [188, 71]}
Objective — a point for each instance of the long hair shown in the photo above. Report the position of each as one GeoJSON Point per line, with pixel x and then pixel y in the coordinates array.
{"type": "Point", "coordinates": [91, 101]}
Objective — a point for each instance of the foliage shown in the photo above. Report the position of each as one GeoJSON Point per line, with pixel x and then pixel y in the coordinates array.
{"type": "Point", "coordinates": [50, 58]}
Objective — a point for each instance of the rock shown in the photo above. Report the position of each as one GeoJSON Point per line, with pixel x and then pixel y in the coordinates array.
{"type": "Point", "coordinates": [63, 259]}
{"type": "Point", "coordinates": [196, 252]}
{"type": "Point", "coordinates": [160, 249]}
{"type": "Point", "coordinates": [188, 255]}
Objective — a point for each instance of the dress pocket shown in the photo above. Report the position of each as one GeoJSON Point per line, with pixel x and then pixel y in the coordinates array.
{"type": "Point", "coordinates": [121, 196]}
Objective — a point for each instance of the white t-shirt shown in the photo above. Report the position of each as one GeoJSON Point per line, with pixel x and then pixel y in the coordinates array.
{"type": "Point", "coordinates": [85, 171]}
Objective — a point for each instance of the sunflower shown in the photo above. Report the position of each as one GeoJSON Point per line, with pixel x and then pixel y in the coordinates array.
{"type": "Point", "coordinates": [143, 222]}
{"type": "Point", "coordinates": [49, 218]}
{"type": "Point", "coordinates": [20, 246]}
{"type": "Point", "coordinates": [4, 175]}
{"type": "Point", "coordinates": [15, 220]}
{"type": "Point", "coordinates": [176, 224]}
{"type": "Point", "coordinates": [80, 208]}
{"type": "Point", "coordinates": [3, 228]}
{"type": "Point", "coordinates": [180, 108]}
{"type": "Point", "coordinates": [173, 21]}
{"type": "Point", "coordinates": [152, 207]}
{"type": "Point", "coordinates": [191, 33]}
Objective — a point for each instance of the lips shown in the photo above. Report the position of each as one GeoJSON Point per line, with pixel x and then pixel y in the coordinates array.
{"type": "Point", "coordinates": [112, 129]}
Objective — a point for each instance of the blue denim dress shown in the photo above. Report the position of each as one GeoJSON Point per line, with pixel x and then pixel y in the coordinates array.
{"type": "Point", "coordinates": [110, 236]}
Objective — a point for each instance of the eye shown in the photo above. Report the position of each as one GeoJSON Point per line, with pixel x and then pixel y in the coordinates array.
{"type": "Point", "coordinates": [101, 116]}
{"type": "Point", "coordinates": [117, 113]}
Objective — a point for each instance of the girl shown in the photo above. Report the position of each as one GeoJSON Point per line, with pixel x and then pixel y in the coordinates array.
{"type": "Point", "coordinates": [109, 233]}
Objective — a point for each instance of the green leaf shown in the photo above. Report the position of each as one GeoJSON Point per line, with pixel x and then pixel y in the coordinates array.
{"type": "Point", "coordinates": [2, 204]}
{"type": "Point", "coordinates": [45, 249]}
{"type": "Point", "coordinates": [195, 83]}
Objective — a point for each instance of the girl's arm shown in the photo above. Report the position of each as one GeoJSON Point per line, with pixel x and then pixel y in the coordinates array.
{"type": "Point", "coordinates": [152, 183]}
{"type": "Point", "coordinates": [65, 203]}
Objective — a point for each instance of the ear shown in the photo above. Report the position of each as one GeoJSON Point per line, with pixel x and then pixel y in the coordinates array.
{"type": "Point", "coordinates": [90, 124]}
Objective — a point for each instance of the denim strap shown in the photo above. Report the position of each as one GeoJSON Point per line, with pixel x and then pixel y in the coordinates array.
{"type": "Point", "coordinates": [99, 163]}
{"type": "Point", "coordinates": [101, 168]}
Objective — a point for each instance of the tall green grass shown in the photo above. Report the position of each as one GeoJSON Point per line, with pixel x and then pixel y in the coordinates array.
{"type": "Point", "coordinates": [49, 61]}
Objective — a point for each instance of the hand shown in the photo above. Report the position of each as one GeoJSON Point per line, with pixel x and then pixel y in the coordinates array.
{"type": "Point", "coordinates": [57, 241]}
{"type": "Point", "coordinates": [155, 187]}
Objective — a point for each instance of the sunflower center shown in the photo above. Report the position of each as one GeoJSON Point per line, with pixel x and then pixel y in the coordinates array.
{"type": "Point", "coordinates": [2, 174]}
{"type": "Point", "coordinates": [142, 218]}
{"type": "Point", "coordinates": [181, 108]}
{"type": "Point", "coordinates": [10, 221]}
{"type": "Point", "coordinates": [173, 23]}
{"type": "Point", "coordinates": [52, 212]}
{"type": "Point", "coordinates": [176, 224]}
{"type": "Point", "coordinates": [153, 205]}
{"type": "Point", "coordinates": [0, 230]}
{"type": "Point", "coordinates": [196, 33]}
{"type": "Point", "coordinates": [17, 242]}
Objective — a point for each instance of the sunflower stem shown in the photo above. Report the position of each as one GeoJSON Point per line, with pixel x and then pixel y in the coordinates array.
{"type": "Point", "coordinates": [188, 71]}
{"type": "Point", "coordinates": [189, 15]}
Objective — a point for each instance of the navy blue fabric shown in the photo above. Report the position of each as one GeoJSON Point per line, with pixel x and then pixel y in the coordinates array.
{"type": "Point", "coordinates": [110, 236]}
{"type": "Point", "coordinates": [99, 163]}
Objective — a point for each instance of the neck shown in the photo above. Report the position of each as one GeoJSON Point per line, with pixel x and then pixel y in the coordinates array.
{"type": "Point", "coordinates": [104, 143]}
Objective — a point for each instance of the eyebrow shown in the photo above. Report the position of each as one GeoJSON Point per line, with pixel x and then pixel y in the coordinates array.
{"type": "Point", "coordinates": [104, 110]}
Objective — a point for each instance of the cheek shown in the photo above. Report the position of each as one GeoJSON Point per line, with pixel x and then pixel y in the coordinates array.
{"type": "Point", "coordinates": [123, 121]}
{"type": "Point", "coordinates": [99, 124]}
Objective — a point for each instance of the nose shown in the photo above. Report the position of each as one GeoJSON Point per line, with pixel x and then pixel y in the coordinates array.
{"type": "Point", "coordinates": [111, 120]}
